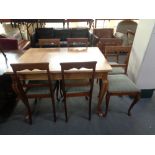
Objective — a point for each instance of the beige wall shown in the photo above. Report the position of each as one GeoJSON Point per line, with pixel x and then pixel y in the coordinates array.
{"type": "Point", "coordinates": [141, 67]}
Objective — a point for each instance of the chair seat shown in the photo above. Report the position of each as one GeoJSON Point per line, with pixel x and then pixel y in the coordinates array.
{"type": "Point", "coordinates": [42, 90]}
{"type": "Point", "coordinates": [116, 70]}
{"type": "Point", "coordinates": [121, 83]}
{"type": "Point", "coordinates": [77, 89]}
{"type": "Point", "coordinates": [38, 90]}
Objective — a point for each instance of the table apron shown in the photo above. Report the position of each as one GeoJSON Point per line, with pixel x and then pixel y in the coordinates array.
{"type": "Point", "coordinates": [58, 76]}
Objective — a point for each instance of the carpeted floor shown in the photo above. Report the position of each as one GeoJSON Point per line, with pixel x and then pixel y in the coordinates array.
{"type": "Point", "coordinates": [117, 121]}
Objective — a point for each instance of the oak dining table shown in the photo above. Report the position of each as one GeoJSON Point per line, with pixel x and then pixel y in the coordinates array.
{"type": "Point", "coordinates": [73, 54]}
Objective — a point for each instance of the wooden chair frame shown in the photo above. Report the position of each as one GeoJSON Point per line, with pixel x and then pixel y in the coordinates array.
{"type": "Point", "coordinates": [116, 51]}
{"type": "Point", "coordinates": [103, 42]}
{"type": "Point", "coordinates": [71, 41]}
{"type": "Point", "coordinates": [45, 42]}
{"type": "Point", "coordinates": [99, 33]}
{"type": "Point", "coordinates": [134, 94]}
{"type": "Point", "coordinates": [20, 87]}
{"type": "Point", "coordinates": [70, 65]}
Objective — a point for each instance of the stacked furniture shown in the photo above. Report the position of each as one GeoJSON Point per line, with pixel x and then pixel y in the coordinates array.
{"type": "Point", "coordinates": [62, 34]}
{"type": "Point", "coordinates": [99, 33]}
{"type": "Point", "coordinates": [103, 42]}
{"type": "Point", "coordinates": [126, 30]}
{"type": "Point", "coordinates": [49, 42]}
{"type": "Point", "coordinates": [75, 42]}
{"type": "Point", "coordinates": [13, 44]}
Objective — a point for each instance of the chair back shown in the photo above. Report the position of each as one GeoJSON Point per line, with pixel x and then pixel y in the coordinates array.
{"type": "Point", "coordinates": [108, 42]}
{"type": "Point", "coordinates": [120, 53]}
{"type": "Point", "coordinates": [126, 25]}
{"type": "Point", "coordinates": [78, 65]}
{"type": "Point", "coordinates": [103, 32]}
{"type": "Point", "coordinates": [71, 42]}
{"type": "Point", "coordinates": [18, 68]}
{"type": "Point", "coordinates": [23, 88]}
{"type": "Point", "coordinates": [49, 42]}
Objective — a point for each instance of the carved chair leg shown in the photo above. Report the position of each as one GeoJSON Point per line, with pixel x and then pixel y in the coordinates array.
{"type": "Point", "coordinates": [136, 99]}
{"type": "Point", "coordinates": [65, 106]}
{"type": "Point", "coordinates": [90, 107]}
{"type": "Point", "coordinates": [54, 111]}
{"type": "Point", "coordinates": [57, 90]}
{"type": "Point", "coordinates": [29, 116]}
{"type": "Point", "coordinates": [86, 97]}
{"type": "Point", "coordinates": [107, 104]}
{"type": "Point", "coordinates": [61, 92]}
{"type": "Point", "coordinates": [35, 101]}
{"type": "Point", "coordinates": [100, 84]}
{"type": "Point", "coordinates": [26, 103]}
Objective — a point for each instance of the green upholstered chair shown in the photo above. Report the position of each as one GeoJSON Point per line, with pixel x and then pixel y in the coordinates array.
{"type": "Point", "coordinates": [77, 87]}
{"type": "Point", "coordinates": [116, 68]}
{"type": "Point", "coordinates": [34, 89]}
{"type": "Point", "coordinates": [121, 85]}
{"type": "Point", "coordinates": [118, 57]}
{"type": "Point", "coordinates": [126, 30]}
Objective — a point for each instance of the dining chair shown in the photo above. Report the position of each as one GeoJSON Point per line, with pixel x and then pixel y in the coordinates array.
{"type": "Point", "coordinates": [49, 42]}
{"type": "Point", "coordinates": [77, 42]}
{"type": "Point", "coordinates": [34, 89]}
{"type": "Point", "coordinates": [99, 33]}
{"type": "Point", "coordinates": [77, 87]}
{"type": "Point", "coordinates": [121, 85]}
{"type": "Point", "coordinates": [108, 42]}
{"type": "Point", "coordinates": [118, 57]}
{"type": "Point", "coordinates": [126, 30]}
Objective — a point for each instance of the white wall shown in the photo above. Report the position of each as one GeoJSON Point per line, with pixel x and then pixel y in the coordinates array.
{"type": "Point", "coordinates": [141, 67]}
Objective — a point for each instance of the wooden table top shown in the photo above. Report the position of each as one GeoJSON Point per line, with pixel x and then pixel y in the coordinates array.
{"type": "Point", "coordinates": [56, 55]}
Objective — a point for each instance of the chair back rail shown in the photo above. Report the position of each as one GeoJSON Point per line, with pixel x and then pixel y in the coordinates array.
{"type": "Point", "coordinates": [49, 42]}
{"type": "Point", "coordinates": [71, 41]}
{"type": "Point", "coordinates": [117, 51]}
{"type": "Point", "coordinates": [108, 42]}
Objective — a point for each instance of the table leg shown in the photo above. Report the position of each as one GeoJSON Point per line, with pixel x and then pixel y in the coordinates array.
{"type": "Point", "coordinates": [14, 85]}
{"type": "Point", "coordinates": [102, 92]}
